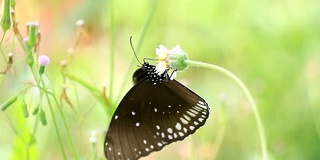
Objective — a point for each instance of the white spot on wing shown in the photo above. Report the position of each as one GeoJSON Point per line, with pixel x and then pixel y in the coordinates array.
{"type": "Point", "coordinates": [175, 135]}
{"type": "Point", "coordinates": [133, 113]}
{"type": "Point", "coordinates": [163, 135]}
{"type": "Point", "coordinates": [178, 126]}
{"type": "Point", "coordinates": [202, 105]}
{"type": "Point", "coordinates": [183, 120]}
{"type": "Point", "coordinates": [197, 109]}
{"type": "Point", "coordinates": [191, 127]}
{"type": "Point", "coordinates": [116, 117]}
{"type": "Point", "coordinates": [186, 117]}
{"type": "Point", "coordinates": [185, 130]}
{"type": "Point", "coordinates": [191, 114]}
{"type": "Point", "coordinates": [137, 124]}
{"type": "Point", "coordinates": [201, 102]}
{"type": "Point", "coordinates": [193, 111]}
{"type": "Point", "coordinates": [169, 130]}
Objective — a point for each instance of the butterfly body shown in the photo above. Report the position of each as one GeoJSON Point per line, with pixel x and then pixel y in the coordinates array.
{"type": "Point", "coordinates": [155, 112]}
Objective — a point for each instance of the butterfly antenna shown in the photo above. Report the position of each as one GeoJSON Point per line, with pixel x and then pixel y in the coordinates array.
{"type": "Point", "coordinates": [134, 50]}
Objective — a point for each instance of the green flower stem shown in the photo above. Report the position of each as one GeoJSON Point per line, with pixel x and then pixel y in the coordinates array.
{"type": "Point", "coordinates": [95, 92]}
{"type": "Point", "coordinates": [222, 120]}
{"type": "Point", "coordinates": [54, 121]}
{"type": "Point", "coordinates": [8, 103]}
{"type": "Point", "coordinates": [32, 139]}
{"type": "Point", "coordinates": [112, 44]}
{"type": "Point", "coordinates": [146, 25]}
{"type": "Point", "coordinates": [3, 55]}
{"type": "Point", "coordinates": [63, 121]}
{"type": "Point", "coordinates": [247, 93]}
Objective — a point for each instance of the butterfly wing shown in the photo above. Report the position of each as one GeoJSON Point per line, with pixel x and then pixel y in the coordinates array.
{"type": "Point", "coordinates": [180, 114]}
{"type": "Point", "coordinates": [123, 130]}
{"type": "Point", "coordinates": [152, 116]}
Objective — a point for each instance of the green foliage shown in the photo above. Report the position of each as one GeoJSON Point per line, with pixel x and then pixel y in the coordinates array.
{"type": "Point", "coordinates": [273, 46]}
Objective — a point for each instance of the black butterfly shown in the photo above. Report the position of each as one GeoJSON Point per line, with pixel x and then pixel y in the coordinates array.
{"type": "Point", "coordinates": [154, 113]}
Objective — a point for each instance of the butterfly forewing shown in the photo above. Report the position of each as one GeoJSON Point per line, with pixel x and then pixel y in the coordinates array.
{"type": "Point", "coordinates": [152, 115]}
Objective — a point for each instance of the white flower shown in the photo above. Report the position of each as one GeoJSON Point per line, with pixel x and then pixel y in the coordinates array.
{"type": "Point", "coordinates": [175, 50]}
{"type": "Point", "coordinates": [170, 59]}
{"type": "Point", "coordinates": [161, 67]}
{"type": "Point", "coordinates": [162, 53]}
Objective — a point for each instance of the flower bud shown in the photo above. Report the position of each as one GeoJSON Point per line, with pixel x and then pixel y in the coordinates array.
{"type": "Point", "coordinates": [35, 110]}
{"type": "Point", "coordinates": [33, 33]}
{"type": "Point", "coordinates": [43, 60]}
{"type": "Point", "coordinates": [80, 22]}
{"type": "Point", "coordinates": [42, 117]}
{"type": "Point", "coordinates": [170, 59]}
{"type": "Point", "coordinates": [8, 103]}
{"type": "Point", "coordinates": [177, 56]}
{"type": "Point", "coordinates": [5, 20]}
{"type": "Point", "coordinates": [12, 3]}
{"type": "Point", "coordinates": [24, 109]}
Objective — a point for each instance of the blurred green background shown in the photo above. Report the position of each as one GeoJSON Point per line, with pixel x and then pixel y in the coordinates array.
{"type": "Point", "coordinates": [272, 46]}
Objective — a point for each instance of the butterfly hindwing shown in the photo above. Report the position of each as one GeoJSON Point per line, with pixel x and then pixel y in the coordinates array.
{"type": "Point", "coordinates": [179, 115]}
{"type": "Point", "coordinates": [152, 115]}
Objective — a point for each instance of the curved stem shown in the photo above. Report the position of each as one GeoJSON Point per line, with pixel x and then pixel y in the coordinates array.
{"type": "Point", "coordinates": [146, 25]}
{"type": "Point", "coordinates": [112, 45]}
{"type": "Point", "coordinates": [54, 120]}
{"type": "Point", "coordinates": [247, 93]}
{"type": "Point", "coordinates": [63, 121]}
